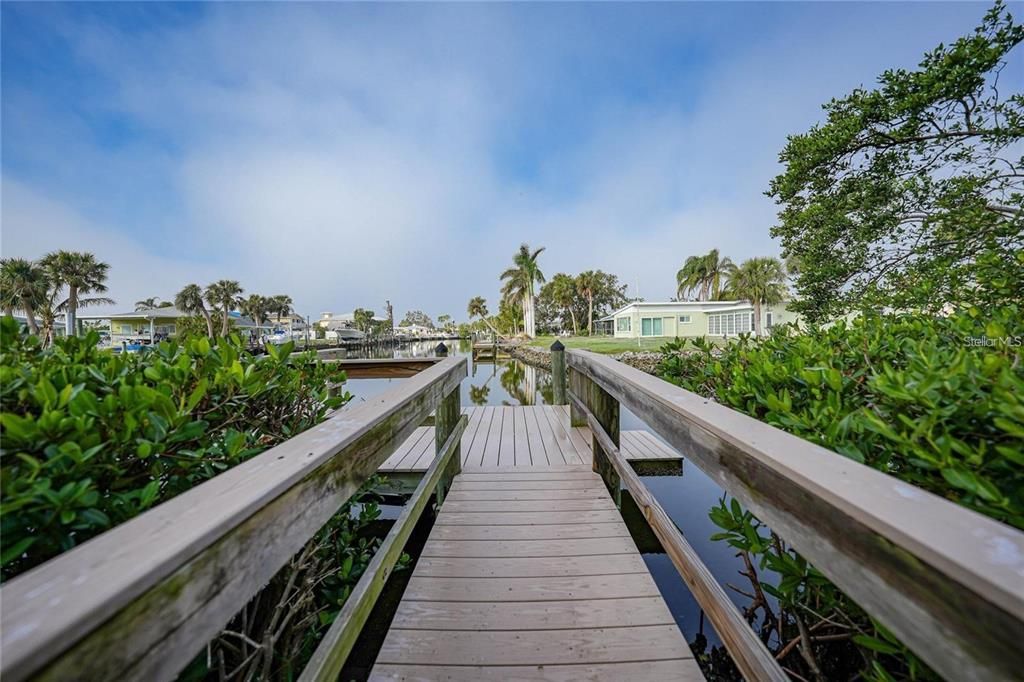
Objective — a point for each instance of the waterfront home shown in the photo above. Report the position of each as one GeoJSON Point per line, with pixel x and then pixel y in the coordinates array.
{"type": "Point", "coordinates": [156, 324]}
{"type": "Point", "coordinates": [343, 325]}
{"type": "Point", "coordinates": [693, 318]}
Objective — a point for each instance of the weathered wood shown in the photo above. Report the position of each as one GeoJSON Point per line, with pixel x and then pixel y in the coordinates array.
{"type": "Point", "coordinates": [486, 518]}
{"type": "Point", "coordinates": [558, 377]}
{"type": "Point", "coordinates": [554, 531]}
{"type": "Point", "coordinates": [578, 384]}
{"type": "Point", "coordinates": [531, 548]}
{"type": "Point", "coordinates": [947, 581]}
{"type": "Point", "coordinates": [446, 422]}
{"type": "Point", "coordinates": [536, 647]}
{"type": "Point", "coordinates": [383, 368]}
{"type": "Point", "coordinates": [529, 567]}
{"type": "Point", "coordinates": [597, 403]}
{"type": "Point", "coordinates": [679, 670]}
{"type": "Point", "coordinates": [330, 655]}
{"type": "Point", "coordinates": [746, 649]}
{"type": "Point", "coordinates": [140, 600]}
{"type": "Point", "coordinates": [532, 615]}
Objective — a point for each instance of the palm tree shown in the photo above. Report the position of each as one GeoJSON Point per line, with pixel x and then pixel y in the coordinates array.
{"type": "Point", "coordinates": [717, 272]}
{"type": "Point", "coordinates": [257, 308]}
{"type": "Point", "coordinates": [81, 273]}
{"type": "Point", "coordinates": [520, 280]}
{"type": "Point", "coordinates": [146, 303]}
{"type": "Point", "coordinates": [691, 278]}
{"type": "Point", "coordinates": [762, 282]}
{"type": "Point", "coordinates": [190, 300]}
{"type": "Point", "coordinates": [587, 284]}
{"type": "Point", "coordinates": [478, 308]}
{"type": "Point", "coordinates": [23, 285]}
{"type": "Point", "coordinates": [704, 276]}
{"type": "Point", "coordinates": [223, 295]}
{"type": "Point", "coordinates": [282, 305]}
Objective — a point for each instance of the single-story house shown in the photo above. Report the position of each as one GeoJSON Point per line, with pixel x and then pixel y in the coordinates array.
{"type": "Point", "coordinates": [693, 318]}
{"type": "Point", "coordinates": [143, 326]}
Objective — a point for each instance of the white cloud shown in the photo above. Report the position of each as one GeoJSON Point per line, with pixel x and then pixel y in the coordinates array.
{"type": "Point", "coordinates": [348, 154]}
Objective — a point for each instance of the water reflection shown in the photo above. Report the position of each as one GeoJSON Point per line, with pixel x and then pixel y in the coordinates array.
{"type": "Point", "coordinates": [489, 382]}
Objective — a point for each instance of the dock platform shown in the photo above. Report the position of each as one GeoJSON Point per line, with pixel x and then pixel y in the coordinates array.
{"type": "Point", "coordinates": [522, 436]}
{"type": "Point", "coordinates": [529, 573]}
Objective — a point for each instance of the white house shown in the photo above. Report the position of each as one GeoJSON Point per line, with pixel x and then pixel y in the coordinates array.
{"type": "Point", "coordinates": [693, 318]}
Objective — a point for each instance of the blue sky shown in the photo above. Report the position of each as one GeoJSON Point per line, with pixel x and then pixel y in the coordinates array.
{"type": "Point", "coordinates": [349, 153]}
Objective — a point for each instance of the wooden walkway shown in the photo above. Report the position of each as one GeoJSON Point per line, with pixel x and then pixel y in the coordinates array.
{"type": "Point", "coordinates": [529, 573]}
{"type": "Point", "coordinates": [521, 436]}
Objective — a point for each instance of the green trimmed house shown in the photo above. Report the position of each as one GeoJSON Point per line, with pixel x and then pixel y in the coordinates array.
{"type": "Point", "coordinates": [142, 326]}
{"type": "Point", "coordinates": [642, 319]}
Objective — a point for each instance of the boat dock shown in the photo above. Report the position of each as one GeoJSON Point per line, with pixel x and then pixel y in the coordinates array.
{"type": "Point", "coordinates": [522, 436]}
{"type": "Point", "coordinates": [528, 571]}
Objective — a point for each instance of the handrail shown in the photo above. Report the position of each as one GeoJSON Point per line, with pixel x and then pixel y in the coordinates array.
{"type": "Point", "coordinates": [752, 658]}
{"type": "Point", "coordinates": [140, 600]}
{"type": "Point", "coordinates": [947, 581]}
{"type": "Point", "coordinates": [333, 650]}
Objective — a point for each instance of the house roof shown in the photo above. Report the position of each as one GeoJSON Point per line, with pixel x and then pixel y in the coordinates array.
{"type": "Point", "coordinates": [167, 313]}
{"type": "Point", "coordinates": [681, 306]}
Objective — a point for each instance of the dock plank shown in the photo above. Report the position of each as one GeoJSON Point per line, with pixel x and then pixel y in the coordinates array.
{"type": "Point", "coordinates": [529, 567]}
{"type": "Point", "coordinates": [681, 670]}
{"type": "Point", "coordinates": [520, 438]}
{"type": "Point", "coordinates": [534, 647]}
{"type": "Point", "coordinates": [528, 548]}
{"type": "Point", "coordinates": [528, 517]}
{"type": "Point", "coordinates": [551, 531]}
{"type": "Point", "coordinates": [507, 448]}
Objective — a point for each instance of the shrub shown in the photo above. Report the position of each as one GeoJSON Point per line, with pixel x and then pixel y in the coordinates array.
{"type": "Point", "coordinates": [935, 401]}
{"type": "Point", "coordinates": [91, 438]}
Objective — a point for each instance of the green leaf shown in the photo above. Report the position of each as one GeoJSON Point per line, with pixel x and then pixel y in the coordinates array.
{"type": "Point", "coordinates": [874, 644]}
{"type": "Point", "coordinates": [14, 551]}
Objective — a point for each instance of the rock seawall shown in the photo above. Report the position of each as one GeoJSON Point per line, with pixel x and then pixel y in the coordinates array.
{"type": "Point", "coordinates": [645, 361]}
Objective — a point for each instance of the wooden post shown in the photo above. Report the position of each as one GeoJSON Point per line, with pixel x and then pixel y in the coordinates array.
{"type": "Point", "coordinates": [445, 419]}
{"type": "Point", "coordinates": [605, 409]}
{"type": "Point", "coordinates": [558, 372]}
{"type": "Point", "coordinates": [578, 387]}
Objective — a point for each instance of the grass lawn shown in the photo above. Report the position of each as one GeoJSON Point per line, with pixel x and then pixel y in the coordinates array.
{"type": "Point", "coordinates": [601, 344]}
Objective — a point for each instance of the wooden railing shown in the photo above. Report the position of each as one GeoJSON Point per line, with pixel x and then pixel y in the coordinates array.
{"type": "Point", "coordinates": [947, 581]}
{"type": "Point", "coordinates": [140, 601]}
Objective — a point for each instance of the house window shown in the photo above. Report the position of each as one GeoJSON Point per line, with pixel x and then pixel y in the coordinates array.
{"type": "Point", "coordinates": [622, 324]}
{"type": "Point", "coordinates": [728, 324]}
{"type": "Point", "coordinates": [768, 318]}
{"type": "Point", "coordinates": [650, 326]}
{"type": "Point", "coordinates": [684, 319]}
{"type": "Point", "coordinates": [125, 329]}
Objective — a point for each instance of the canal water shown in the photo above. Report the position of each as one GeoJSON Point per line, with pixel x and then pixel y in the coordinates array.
{"type": "Point", "coordinates": [687, 498]}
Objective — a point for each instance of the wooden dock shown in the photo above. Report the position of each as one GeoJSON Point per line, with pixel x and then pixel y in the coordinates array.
{"type": "Point", "coordinates": [522, 436]}
{"type": "Point", "coordinates": [530, 574]}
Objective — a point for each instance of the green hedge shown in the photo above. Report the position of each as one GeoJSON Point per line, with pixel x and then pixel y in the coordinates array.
{"type": "Point", "coordinates": [90, 438]}
{"type": "Point", "coordinates": [935, 401]}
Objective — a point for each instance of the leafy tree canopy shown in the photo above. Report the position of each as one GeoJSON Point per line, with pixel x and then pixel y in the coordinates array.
{"type": "Point", "coordinates": [910, 195]}
{"type": "Point", "coordinates": [417, 317]}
